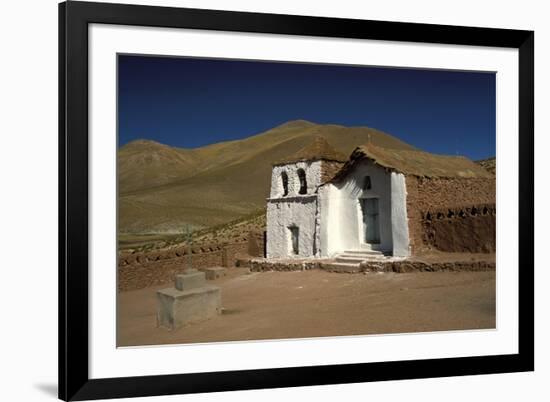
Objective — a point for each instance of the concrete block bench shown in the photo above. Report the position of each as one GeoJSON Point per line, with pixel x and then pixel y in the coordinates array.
{"type": "Point", "coordinates": [214, 272]}
{"type": "Point", "coordinates": [191, 300]}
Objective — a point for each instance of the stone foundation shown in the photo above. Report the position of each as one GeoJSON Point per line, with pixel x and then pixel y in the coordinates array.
{"type": "Point", "coordinates": [420, 266]}
{"type": "Point", "coordinates": [399, 266]}
{"type": "Point", "coordinates": [267, 265]}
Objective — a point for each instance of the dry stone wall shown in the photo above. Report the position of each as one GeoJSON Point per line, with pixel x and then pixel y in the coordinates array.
{"type": "Point", "coordinates": [256, 244]}
{"type": "Point", "coordinates": [141, 270]}
{"type": "Point", "coordinates": [421, 266]}
{"type": "Point", "coordinates": [400, 266]}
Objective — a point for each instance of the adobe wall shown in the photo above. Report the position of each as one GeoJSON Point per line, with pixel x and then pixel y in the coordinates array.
{"type": "Point", "coordinates": [232, 251]}
{"type": "Point", "coordinates": [467, 229]}
{"type": "Point", "coordinates": [144, 272]}
{"type": "Point", "coordinates": [256, 244]}
{"type": "Point", "coordinates": [425, 194]}
{"type": "Point", "coordinates": [141, 270]}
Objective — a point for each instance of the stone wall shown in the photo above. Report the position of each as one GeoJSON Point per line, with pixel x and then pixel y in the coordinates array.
{"type": "Point", "coordinates": [421, 266]}
{"type": "Point", "coordinates": [256, 244]}
{"type": "Point", "coordinates": [141, 270]}
{"type": "Point", "coordinates": [401, 266]}
{"type": "Point", "coordinates": [138, 275]}
{"type": "Point", "coordinates": [261, 265]}
{"type": "Point", "coordinates": [424, 194]}
{"type": "Point", "coordinates": [231, 252]}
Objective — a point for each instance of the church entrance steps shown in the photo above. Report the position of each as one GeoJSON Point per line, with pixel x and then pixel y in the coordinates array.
{"type": "Point", "coordinates": [358, 256]}
{"type": "Point", "coordinates": [341, 267]}
{"type": "Point", "coordinates": [365, 253]}
{"type": "Point", "coordinates": [357, 259]}
{"type": "Point", "coordinates": [349, 259]}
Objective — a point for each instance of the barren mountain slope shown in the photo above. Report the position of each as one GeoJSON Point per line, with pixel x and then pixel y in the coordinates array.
{"type": "Point", "coordinates": [162, 188]}
{"type": "Point", "coordinates": [489, 164]}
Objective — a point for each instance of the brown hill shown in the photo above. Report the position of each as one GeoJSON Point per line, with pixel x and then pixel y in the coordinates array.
{"type": "Point", "coordinates": [490, 164]}
{"type": "Point", "coordinates": [162, 188]}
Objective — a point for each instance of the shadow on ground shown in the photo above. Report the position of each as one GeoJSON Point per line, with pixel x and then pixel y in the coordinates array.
{"type": "Point", "coordinates": [48, 389]}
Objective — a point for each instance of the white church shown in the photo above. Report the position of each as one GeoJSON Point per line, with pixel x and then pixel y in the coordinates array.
{"type": "Point", "coordinates": [322, 205]}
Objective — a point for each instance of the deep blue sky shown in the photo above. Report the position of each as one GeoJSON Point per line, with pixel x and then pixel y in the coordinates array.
{"type": "Point", "coordinates": [189, 103]}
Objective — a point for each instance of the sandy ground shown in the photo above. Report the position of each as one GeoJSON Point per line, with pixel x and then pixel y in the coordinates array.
{"type": "Point", "coordinates": [278, 305]}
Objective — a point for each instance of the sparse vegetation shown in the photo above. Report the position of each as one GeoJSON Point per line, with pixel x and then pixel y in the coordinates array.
{"type": "Point", "coordinates": [162, 188]}
{"type": "Point", "coordinates": [225, 232]}
{"type": "Point", "coordinates": [490, 164]}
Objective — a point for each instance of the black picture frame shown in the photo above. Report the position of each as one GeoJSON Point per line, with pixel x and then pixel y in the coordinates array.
{"type": "Point", "coordinates": [74, 381]}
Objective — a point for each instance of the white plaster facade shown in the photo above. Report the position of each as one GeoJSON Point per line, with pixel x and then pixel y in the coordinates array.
{"type": "Point", "coordinates": [293, 210]}
{"type": "Point", "coordinates": [283, 215]}
{"type": "Point", "coordinates": [330, 218]}
{"type": "Point", "coordinates": [313, 178]}
{"type": "Point", "coordinates": [341, 224]}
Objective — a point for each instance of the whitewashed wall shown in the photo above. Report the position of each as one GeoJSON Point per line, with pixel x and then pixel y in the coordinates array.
{"type": "Point", "coordinates": [293, 211]}
{"type": "Point", "coordinates": [341, 224]}
{"type": "Point", "coordinates": [337, 212]}
{"type": "Point", "coordinates": [399, 220]}
{"type": "Point", "coordinates": [341, 217]}
{"type": "Point", "coordinates": [313, 178]}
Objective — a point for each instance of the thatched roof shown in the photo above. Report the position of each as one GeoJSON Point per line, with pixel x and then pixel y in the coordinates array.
{"type": "Point", "coordinates": [319, 149]}
{"type": "Point", "coordinates": [415, 163]}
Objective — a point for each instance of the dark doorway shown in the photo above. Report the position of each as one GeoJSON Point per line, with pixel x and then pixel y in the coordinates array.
{"type": "Point", "coordinates": [371, 220]}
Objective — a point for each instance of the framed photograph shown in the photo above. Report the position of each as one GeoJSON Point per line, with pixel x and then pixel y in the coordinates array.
{"type": "Point", "coordinates": [258, 201]}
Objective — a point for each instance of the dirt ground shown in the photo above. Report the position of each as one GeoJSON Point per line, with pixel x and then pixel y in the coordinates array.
{"type": "Point", "coordinates": [431, 256]}
{"type": "Point", "coordinates": [303, 304]}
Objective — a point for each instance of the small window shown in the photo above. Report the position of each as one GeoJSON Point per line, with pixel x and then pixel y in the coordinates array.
{"type": "Point", "coordinates": [303, 181]}
{"type": "Point", "coordinates": [367, 185]}
{"type": "Point", "coordinates": [284, 179]}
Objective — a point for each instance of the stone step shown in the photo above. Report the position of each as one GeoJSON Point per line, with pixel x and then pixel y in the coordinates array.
{"type": "Point", "coordinates": [357, 257]}
{"type": "Point", "coordinates": [364, 252]}
{"type": "Point", "coordinates": [350, 259]}
{"type": "Point", "coordinates": [341, 267]}
{"type": "Point", "coordinates": [363, 256]}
